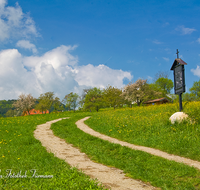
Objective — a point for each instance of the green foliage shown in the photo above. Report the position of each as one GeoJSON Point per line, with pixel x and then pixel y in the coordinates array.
{"type": "Point", "coordinates": [195, 90]}
{"type": "Point", "coordinates": [189, 97]}
{"type": "Point", "coordinates": [71, 100]}
{"type": "Point", "coordinates": [5, 105]}
{"type": "Point", "coordinates": [58, 106]}
{"type": "Point", "coordinates": [164, 84]}
{"type": "Point", "coordinates": [45, 102]}
{"type": "Point", "coordinates": [94, 99]}
{"type": "Point", "coordinates": [10, 113]}
{"type": "Point", "coordinates": [112, 97]}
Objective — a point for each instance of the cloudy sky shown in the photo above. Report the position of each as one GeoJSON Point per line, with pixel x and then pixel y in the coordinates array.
{"type": "Point", "coordinates": [68, 45]}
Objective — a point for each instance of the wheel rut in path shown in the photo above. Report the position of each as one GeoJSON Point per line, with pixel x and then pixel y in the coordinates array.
{"type": "Point", "coordinates": [110, 177]}
{"type": "Point", "coordinates": [80, 124]}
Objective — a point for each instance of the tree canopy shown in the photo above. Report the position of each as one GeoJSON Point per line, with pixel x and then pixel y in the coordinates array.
{"type": "Point", "coordinates": [45, 101]}
{"type": "Point", "coordinates": [164, 84]}
{"type": "Point", "coordinates": [111, 96]}
{"type": "Point", "coordinates": [195, 90]}
{"type": "Point", "coordinates": [71, 100]}
{"type": "Point", "coordinates": [25, 103]}
{"type": "Point", "coordinates": [139, 92]}
{"type": "Point", "coordinates": [94, 99]}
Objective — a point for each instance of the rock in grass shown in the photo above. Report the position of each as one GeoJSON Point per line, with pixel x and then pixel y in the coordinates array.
{"type": "Point", "coordinates": [178, 116]}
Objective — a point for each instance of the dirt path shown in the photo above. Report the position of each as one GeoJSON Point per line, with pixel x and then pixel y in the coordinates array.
{"type": "Point", "coordinates": [110, 177]}
{"type": "Point", "coordinates": [80, 124]}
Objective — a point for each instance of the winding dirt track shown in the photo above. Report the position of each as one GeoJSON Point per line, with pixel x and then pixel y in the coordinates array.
{"type": "Point", "coordinates": [110, 177]}
{"type": "Point", "coordinates": [80, 124]}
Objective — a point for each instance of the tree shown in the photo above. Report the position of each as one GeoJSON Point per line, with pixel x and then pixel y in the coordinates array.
{"type": "Point", "coordinates": [195, 90]}
{"type": "Point", "coordinates": [188, 97]}
{"type": "Point", "coordinates": [111, 96]}
{"type": "Point", "coordinates": [57, 104]}
{"type": "Point", "coordinates": [165, 85]}
{"type": "Point", "coordinates": [139, 92]}
{"type": "Point", "coordinates": [71, 100]}
{"type": "Point", "coordinates": [10, 113]}
{"type": "Point", "coordinates": [25, 103]}
{"type": "Point", "coordinates": [82, 97]}
{"type": "Point", "coordinates": [94, 99]}
{"type": "Point", "coordinates": [41, 106]}
{"type": "Point", "coordinates": [45, 101]}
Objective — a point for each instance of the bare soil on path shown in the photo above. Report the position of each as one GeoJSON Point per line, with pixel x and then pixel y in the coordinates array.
{"type": "Point", "coordinates": [110, 177]}
{"type": "Point", "coordinates": [80, 124]}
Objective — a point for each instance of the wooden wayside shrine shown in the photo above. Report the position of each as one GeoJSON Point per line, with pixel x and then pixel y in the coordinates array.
{"type": "Point", "coordinates": [179, 78]}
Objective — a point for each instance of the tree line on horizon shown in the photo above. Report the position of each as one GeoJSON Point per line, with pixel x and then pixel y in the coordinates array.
{"type": "Point", "coordinates": [95, 98]}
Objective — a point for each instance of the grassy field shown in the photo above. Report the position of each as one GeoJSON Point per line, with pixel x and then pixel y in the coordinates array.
{"type": "Point", "coordinates": [148, 126]}
{"type": "Point", "coordinates": [21, 152]}
{"type": "Point", "coordinates": [136, 164]}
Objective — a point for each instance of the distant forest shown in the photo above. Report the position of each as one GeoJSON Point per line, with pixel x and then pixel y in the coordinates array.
{"type": "Point", "coordinates": [5, 105]}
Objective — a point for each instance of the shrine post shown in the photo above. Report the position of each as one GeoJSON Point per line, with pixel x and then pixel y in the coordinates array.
{"type": "Point", "coordinates": [179, 78]}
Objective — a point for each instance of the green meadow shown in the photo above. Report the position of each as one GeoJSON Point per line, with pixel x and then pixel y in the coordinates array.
{"type": "Point", "coordinates": [147, 126]}
{"type": "Point", "coordinates": [21, 152]}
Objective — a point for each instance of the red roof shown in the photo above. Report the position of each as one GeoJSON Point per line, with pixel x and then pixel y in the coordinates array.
{"type": "Point", "coordinates": [34, 112]}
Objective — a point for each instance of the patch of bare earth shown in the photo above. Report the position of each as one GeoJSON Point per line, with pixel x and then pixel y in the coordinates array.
{"type": "Point", "coordinates": [110, 177]}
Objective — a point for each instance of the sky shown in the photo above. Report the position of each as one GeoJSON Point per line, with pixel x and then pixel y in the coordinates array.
{"type": "Point", "coordinates": [65, 46]}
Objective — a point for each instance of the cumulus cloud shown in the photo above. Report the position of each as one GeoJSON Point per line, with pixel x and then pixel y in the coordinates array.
{"type": "Point", "coordinates": [57, 70]}
{"type": "Point", "coordinates": [14, 78]}
{"type": "Point", "coordinates": [26, 45]}
{"type": "Point", "coordinates": [100, 76]}
{"type": "Point", "coordinates": [14, 23]}
{"type": "Point", "coordinates": [185, 30]}
{"type": "Point", "coordinates": [196, 71]}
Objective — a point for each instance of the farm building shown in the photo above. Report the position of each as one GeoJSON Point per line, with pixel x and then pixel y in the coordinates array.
{"type": "Point", "coordinates": [157, 101]}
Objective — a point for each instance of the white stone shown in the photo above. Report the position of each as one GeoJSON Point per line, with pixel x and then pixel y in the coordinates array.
{"type": "Point", "coordinates": [178, 116]}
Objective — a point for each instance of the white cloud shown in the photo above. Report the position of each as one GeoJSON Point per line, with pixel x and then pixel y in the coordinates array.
{"type": "Point", "coordinates": [14, 23]}
{"type": "Point", "coordinates": [196, 71]}
{"type": "Point", "coordinates": [157, 42]}
{"type": "Point", "coordinates": [198, 40]}
{"type": "Point", "coordinates": [57, 70]}
{"type": "Point", "coordinates": [100, 76]}
{"type": "Point", "coordinates": [185, 30]}
{"type": "Point", "coordinates": [14, 78]}
{"type": "Point", "coordinates": [27, 45]}
{"type": "Point", "coordinates": [166, 59]}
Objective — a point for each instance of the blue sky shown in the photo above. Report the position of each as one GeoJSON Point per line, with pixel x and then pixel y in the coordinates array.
{"type": "Point", "coordinates": [65, 46]}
